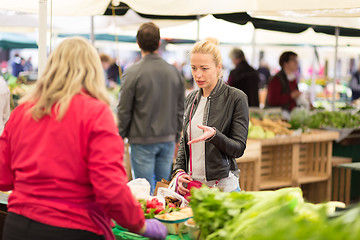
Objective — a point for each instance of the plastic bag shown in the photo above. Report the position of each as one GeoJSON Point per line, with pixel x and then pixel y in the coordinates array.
{"type": "Point", "coordinates": [140, 188]}
{"type": "Point", "coordinates": [164, 192]}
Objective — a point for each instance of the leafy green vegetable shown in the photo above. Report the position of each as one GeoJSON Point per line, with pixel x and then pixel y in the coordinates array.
{"type": "Point", "coordinates": [298, 118]}
{"type": "Point", "coordinates": [279, 215]}
{"type": "Point", "coordinates": [302, 119]}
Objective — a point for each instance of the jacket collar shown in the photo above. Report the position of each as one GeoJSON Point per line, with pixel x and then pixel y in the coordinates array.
{"type": "Point", "coordinates": [218, 89]}
{"type": "Point", "coordinates": [151, 55]}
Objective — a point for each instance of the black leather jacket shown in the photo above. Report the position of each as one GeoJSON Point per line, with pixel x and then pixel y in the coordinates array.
{"type": "Point", "coordinates": [226, 109]}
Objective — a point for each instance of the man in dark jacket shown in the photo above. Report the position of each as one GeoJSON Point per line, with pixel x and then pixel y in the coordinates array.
{"type": "Point", "coordinates": [151, 109]}
{"type": "Point", "coordinates": [244, 77]}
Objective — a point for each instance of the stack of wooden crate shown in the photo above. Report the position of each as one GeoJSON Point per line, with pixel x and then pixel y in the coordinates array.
{"type": "Point", "coordinates": [294, 161]}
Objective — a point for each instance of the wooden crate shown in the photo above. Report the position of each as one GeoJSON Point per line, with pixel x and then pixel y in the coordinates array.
{"type": "Point", "coordinates": [249, 165]}
{"type": "Point", "coordinates": [314, 163]}
{"type": "Point", "coordinates": [316, 192]}
{"type": "Point", "coordinates": [277, 162]}
{"type": "Point", "coordinates": [298, 161]}
{"type": "Point", "coordinates": [276, 166]}
{"type": "Point", "coordinates": [341, 180]}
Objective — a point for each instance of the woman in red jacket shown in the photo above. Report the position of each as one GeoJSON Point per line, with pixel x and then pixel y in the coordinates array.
{"type": "Point", "coordinates": [61, 155]}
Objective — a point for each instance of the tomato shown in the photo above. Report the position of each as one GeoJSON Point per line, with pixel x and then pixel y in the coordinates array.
{"type": "Point", "coordinates": [158, 210]}
{"type": "Point", "coordinates": [171, 205]}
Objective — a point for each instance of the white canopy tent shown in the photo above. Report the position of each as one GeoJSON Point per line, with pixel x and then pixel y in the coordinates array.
{"type": "Point", "coordinates": [304, 8]}
{"type": "Point", "coordinates": [258, 7]}
{"type": "Point", "coordinates": [58, 7]}
{"type": "Point", "coordinates": [274, 8]}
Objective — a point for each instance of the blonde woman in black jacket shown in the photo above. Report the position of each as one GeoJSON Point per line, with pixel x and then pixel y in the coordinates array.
{"type": "Point", "coordinates": [215, 125]}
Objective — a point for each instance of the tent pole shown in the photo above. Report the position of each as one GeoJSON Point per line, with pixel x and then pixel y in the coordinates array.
{"type": "Point", "coordinates": [313, 77]}
{"type": "Point", "coordinates": [337, 32]}
{"type": "Point", "coordinates": [42, 35]}
{"type": "Point", "coordinates": [92, 36]}
{"type": "Point", "coordinates": [253, 45]}
{"type": "Point", "coordinates": [198, 28]}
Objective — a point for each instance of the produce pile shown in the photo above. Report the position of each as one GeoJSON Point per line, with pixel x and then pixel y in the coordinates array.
{"type": "Point", "coordinates": [17, 87]}
{"type": "Point", "coordinates": [279, 215]}
{"type": "Point", "coordinates": [267, 128]}
{"type": "Point", "coordinates": [304, 119]}
{"type": "Point", "coordinates": [153, 207]}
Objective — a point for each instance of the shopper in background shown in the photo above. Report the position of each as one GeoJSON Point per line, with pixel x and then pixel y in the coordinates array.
{"type": "Point", "coordinates": [283, 89]}
{"type": "Point", "coordinates": [244, 77]}
{"type": "Point", "coordinates": [61, 155]}
{"type": "Point", "coordinates": [355, 85]}
{"type": "Point", "coordinates": [17, 65]}
{"type": "Point", "coordinates": [106, 63]}
{"type": "Point", "coordinates": [4, 103]}
{"type": "Point", "coordinates": [151, 109]}
{"type": "Point", "coordinates": [28, 65]}
{"type": "Point", "coordinates": [113, 72]}
{"type": "Point", "coordinates": [215, 125]}
{"type": "Point", "coordinates": [264, 74]}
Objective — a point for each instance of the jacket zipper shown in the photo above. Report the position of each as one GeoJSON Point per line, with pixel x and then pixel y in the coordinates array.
{"type": "Point", "coordinates": [208, 111]}
{"type": "Point", "coordinates": [185, 132]}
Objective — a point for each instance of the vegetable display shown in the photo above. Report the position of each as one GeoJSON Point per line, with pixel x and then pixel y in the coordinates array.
{"type": "Point", "coordinates": [280, 215]}
{"type": "Point", "coordinates": [153, 207]}
{"type": "Point", "coordinates": [267, 128]}
{"type": "Point", "coordinates": [304, 119]}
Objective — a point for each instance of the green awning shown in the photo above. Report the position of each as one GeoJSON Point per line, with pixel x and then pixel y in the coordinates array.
{"type": "Point", "coordinates": [123, 38]}
{"type": "Point", "coordinates": [104, 37]}
{"type": "Point", "coordinates": [243, 18]}
{"type": "Point", "coordinates": [281, 26]}
{"type": "Point", "coordinates": [13, 40]}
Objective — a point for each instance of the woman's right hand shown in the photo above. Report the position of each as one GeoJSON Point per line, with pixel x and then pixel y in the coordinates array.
{"type": "Point", "coordinates": [184, 178]}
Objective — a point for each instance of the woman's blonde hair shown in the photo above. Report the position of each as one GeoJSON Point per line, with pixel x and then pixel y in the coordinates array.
{"type": "Point", "coordinates": [208, 46]}
{"type": "Point", "coordinates": [72, 67]}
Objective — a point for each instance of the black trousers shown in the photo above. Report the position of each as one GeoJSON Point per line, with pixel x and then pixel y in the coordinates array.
{"type": "Point", "coordinates": [18, 227]}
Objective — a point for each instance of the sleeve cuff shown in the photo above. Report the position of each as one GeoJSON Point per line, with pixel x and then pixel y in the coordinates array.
{"type": "Point", "coordinates": [208, 140]}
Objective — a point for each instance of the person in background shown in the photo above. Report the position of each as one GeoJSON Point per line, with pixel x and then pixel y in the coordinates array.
{"type": "Point", "coordinates": [282, 88]}
{"type": "Point", "coordinates": [151, 108]}
{"type": "Point", "coordinates": [4, 103]}
{"type": "Point", "coordinates": [113, 73]}
{"type": "Point", "coordinates": [264, 74]}
{"type": "Point", "coordinates": [28, 65]}
{"type": "Point", "coordinates": [106, 63]}
{"type": "Point", "coordinates": [61, 155]}
{"type": "Point", "coordinates": [355, 85]}
{"type": "Point", "coordinates": [215, 125]}
{"type": "Point", "coordinates": [17, 65]}
{"type": "Point", "coordinates": [244, 77]}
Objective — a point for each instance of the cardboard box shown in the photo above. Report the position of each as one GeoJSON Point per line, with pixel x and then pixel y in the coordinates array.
{"type": "Point", "coordinates": [164, 183]}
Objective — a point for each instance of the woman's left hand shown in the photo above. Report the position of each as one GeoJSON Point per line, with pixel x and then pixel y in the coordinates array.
{"type": "Point", "coordinates": [208, 133]}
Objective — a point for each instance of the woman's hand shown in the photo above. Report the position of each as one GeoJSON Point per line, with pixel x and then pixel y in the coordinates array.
{"type": "Point", "coordinates": [208, 133]}
{"type": "Point", "coordinates": [184, 178]}
{"type": "Point", "coordinates": [295, 94]}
